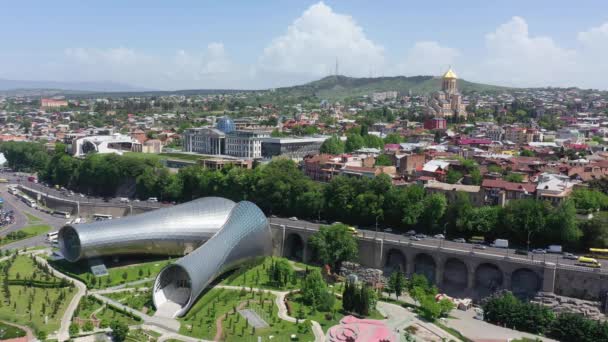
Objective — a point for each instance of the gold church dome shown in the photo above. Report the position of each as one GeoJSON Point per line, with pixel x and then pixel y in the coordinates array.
{"type": "Point", "coordinates": [450, 74]}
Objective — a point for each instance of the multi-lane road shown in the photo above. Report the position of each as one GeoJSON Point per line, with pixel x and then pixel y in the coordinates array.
{"type": "Point", "coordinates": [558, 259]}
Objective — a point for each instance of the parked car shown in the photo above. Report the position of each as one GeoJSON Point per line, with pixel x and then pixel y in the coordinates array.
{"type": "Point", "coordinates": [460, 240]}
{"type": "Point", "coordinates": [521, 252]}
{"type": "Point", "coordinates": [410, 233]}
{"type": "Point", "coordinates": [293, 218]}
{"type": "Point", "coordinates": [152, 199]}
{"type": "Point", "coordinates": [421, 236]}
{"type": "Point", "coordinates": [539, 251]}
{"type": "Point", "coordinates": [439, 236]}
{"type": "Point", "coordinates": [570, 256]}
{"type": "Point", "coordinates": [415, 238]}
{"type": "Point", "coordinates": [479, 246]}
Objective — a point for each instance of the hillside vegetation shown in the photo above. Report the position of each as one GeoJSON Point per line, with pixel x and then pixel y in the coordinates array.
{"type": "Point", "coordinates": [338, 87]}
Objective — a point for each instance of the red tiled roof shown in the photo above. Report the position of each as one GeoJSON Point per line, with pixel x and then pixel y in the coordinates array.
{"type": "Point", "coordinates": [509, 186]}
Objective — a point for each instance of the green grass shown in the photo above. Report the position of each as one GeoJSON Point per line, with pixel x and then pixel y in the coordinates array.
{"type": "Point", "coordinates": [31, 219]}
{"type": "Point", "coordinates": [117, 272]}
{"type": "Point", "coordinates": [24, 233]}
{"type": "Point", "coordinates": [138, 300]}
{"type": "Point", "coordinates": [9, 331]}
{"type": "Point", "coordinates": [140, 335]}
{"type": "Point", "coordinates": [327, 320]}
{"type": "Point", "coordinates": [256, 275]}
{"type": "Point", "coordinates": [200, 320]}
{"type": "Point", "coordinates": [106, 313]}
{"type": "Point", "coordinates": [457, 333]}
{"type": "Point", "coordinates": [15, 306]}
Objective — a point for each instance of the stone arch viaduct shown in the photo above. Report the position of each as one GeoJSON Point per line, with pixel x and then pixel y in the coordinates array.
{"type": "Point", "coordinates": [468, 273]}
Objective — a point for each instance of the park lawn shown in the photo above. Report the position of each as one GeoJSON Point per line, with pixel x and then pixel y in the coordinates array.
{"type": "Point", "coordinates": [31, 219]}
{"type": "Point", "coordinates": [141, 335]}
{"type": "Point", "coordinates": [17, 310]}
{"type": "Point", "coordinates": [25, 233]}
{"type": "Point", "coordinates": [200, 320]}
{"type": "Point", "coordinates": [326, 319]}
{"type": "Point", "coordinates": [256, 275]}
{"type": "Point", "coordinates": [117, 275]}
{"type": "Point", "coordinates": [138, 300]}
{"type": "Point", "coordinates": [90, 305]}
{"type": "Point", "coordinates": [8, 331]}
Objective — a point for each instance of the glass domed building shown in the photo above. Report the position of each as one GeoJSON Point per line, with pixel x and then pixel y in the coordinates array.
{"type": "Point", "coordinates": [225, 124]}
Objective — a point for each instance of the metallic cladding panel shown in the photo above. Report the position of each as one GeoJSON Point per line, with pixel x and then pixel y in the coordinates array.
{"type": "Point", "coordinates": [245, 235]}
{"type": "Point", "coordinates": [177, 230]}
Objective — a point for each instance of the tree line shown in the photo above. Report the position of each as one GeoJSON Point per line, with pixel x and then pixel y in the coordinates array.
{"type": "Point", "coordinates": [506, 310]}
{"type": "Point", "coordinates": [281, 188]}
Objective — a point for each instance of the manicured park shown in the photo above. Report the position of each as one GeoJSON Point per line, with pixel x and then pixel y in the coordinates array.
{"type": "Point", "coordinates": [118, 272]}
{"type": "Point", "coordinates": [31, 296]}
{"type": "Point", "coordinates": [92, 313]}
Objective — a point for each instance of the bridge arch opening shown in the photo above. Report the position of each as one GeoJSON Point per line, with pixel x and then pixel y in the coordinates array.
{"type": "Point", "coordinates": [425, 265]}
{"type": "Point", "coordinates": [488, 279]}
{"type": "Point", "coordinates": [455, 276]}
{"type": "Point", "coordinates": [294, 247]}
{"type": "Point", "coordinates": [525, 283]}
{"type": "Point", "coordinates": [395, 261]}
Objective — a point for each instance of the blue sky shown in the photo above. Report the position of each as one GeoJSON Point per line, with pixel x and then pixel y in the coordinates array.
{"type": "Point", "coordinates": [258, 44]}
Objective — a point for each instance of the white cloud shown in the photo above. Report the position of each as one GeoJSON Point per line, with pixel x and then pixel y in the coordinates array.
{"type": "Point", "coordinates": [315, 40]}
{"type": "Point", "coordinates": [514, 57]}
{"type": "Point", "coordinates": [427, 58]}
{"type": "Point", "coordinates": [210, 68]}
{"type": "Point", "coordinates": [595, 37]}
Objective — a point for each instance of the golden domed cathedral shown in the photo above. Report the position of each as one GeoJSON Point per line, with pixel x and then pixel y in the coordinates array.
{"type": "Point", "coordinates": [447, 102]}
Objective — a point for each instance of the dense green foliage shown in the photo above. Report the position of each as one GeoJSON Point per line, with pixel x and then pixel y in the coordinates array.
{"type": "Point", "coordinates": [333, 245]}
{"type": "Point", "coordinates": [422, 292]}
{"type": "Point", "coordinates": [280, 188]}
{"type": "Point", "coordinates": [506, 310]}
{"type": "Point", "coordinates": [357, 298]}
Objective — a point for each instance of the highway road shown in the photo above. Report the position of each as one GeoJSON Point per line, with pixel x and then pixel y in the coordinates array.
{"type": "Point", "coordinates": [432, 242]}
{"type": "Point", "coordinates": [21, 178]}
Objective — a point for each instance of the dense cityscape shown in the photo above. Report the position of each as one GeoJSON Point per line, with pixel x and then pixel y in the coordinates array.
{"type": "Point", "coordinates": [342, 208]}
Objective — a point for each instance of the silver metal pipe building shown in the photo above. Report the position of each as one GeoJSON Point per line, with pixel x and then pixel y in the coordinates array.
{"type": "Point", "coordinates": [245, 235]}
{"type": "Point", "coordinates": [177, 230]}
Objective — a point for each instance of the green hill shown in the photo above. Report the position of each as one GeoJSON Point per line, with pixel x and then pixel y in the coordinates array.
{"type": "Point", "coordinates": [339, 87]}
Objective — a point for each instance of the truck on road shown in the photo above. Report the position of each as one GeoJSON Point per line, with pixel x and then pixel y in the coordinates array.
{"type": "Point", "coordinates": [501, 243]}
{"type": "Point", "coordinates": [554, 249]}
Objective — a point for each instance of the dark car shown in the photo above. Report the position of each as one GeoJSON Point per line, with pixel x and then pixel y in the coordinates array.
{"type": "Point", "coordinates": [521, 252]}
{"type": "Point", "coordinates": [410, 233]}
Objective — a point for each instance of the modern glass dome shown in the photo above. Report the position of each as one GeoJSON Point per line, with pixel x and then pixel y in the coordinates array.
{"type": "Point", "coordinates": [225, 124]}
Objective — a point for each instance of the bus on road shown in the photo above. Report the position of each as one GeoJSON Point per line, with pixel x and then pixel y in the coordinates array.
{"type": "Point", "coordinates": [3, 180]}
{"type": "Point", "coordinates": [63, 214]}
{"type": "Point", "coordinates": [598, 253]}
{"type": "Point", "coordinates": [101, 217]}
{"type": "Point", "coordinates": [52, 236]}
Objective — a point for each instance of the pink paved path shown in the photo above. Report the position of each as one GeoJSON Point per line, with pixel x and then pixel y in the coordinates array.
{"type": "Point", "coordinates": [361, 330]}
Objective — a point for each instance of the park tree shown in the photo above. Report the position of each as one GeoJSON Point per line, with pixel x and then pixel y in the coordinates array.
{"type": "Point", "coordinates": [333, 245]}
{"type": "Point", "coordinates": [434, 207]}
{"type": "Point", "coordinates": [313, 288]}
{"type": "Point", "coordinates": [280, 272]}
{"type": "Point", "coordinates": [397, 283]}
{"type": "Point", "coordinates": [119, 330]}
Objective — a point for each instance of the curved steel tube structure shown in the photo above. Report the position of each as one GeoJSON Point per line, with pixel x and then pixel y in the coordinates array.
{"type": "Point", "coordinates": [177, 230]}
{"type": "Point", "coordinates": [245, 235]}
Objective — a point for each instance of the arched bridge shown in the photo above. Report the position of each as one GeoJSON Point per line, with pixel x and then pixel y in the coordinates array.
{"type": "Point", "coordinates": [461, 272]}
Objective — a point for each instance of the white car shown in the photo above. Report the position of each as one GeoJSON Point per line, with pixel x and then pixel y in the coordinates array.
{"type": "Point", "coordinates": [439, 236]}
{"type": "Point", "coordinates": [293, 218]}
{"type": "Point", "coordinates": [152, 199]}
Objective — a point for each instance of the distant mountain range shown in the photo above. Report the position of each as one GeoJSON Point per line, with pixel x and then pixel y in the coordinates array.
{"type": "Point", "coordinates": [330, 87]}
{"type": "Point", "coordinates": [105, 86]}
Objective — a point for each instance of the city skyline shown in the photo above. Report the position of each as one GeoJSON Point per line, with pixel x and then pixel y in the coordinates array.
{"type": "Point", "coordinates": [269, 44]}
